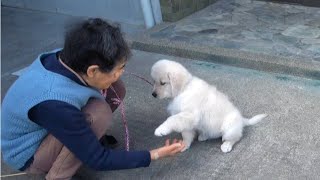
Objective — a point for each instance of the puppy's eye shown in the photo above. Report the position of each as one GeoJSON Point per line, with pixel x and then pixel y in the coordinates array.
{"type": "Point", "coordinates": [162, 83]}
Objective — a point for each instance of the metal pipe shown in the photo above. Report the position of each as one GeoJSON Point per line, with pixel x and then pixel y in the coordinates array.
{"type": "Point", "coordinates": [156, 9]}
{"type": "Point", "coordinates": [147, 13]}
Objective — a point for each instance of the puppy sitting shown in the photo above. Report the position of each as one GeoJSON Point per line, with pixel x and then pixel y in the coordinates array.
{"type": "Point", "coordinates": [196, 107]}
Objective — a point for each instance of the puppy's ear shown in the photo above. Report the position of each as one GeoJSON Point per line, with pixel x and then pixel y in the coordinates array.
{"type": "Point", "coordinates": [177, 81]}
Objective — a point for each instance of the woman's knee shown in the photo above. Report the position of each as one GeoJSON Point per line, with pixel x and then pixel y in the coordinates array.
{"type": "Point", "coordinates": [99, 115]}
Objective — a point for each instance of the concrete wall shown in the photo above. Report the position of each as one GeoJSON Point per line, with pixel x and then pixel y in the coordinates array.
{"type": "Point", "coordinates": [123, 11]}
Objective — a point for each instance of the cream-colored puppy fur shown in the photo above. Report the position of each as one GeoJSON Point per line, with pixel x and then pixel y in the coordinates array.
{"type": "Point", "coordinates": [197, 108]}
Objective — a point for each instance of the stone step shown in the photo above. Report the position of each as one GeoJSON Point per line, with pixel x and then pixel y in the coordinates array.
{"type": "Point", "coordinates": [243, 59]}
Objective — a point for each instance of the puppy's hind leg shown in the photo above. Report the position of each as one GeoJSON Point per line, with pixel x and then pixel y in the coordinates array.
{"type": "Point", "coordinates": [188, 137]}
{"type": "Point", "coordinates": [202, 137]}
{"type": "Point", "coordinates": [230, 137]}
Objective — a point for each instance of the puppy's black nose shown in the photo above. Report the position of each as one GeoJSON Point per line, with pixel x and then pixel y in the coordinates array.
{"type": "Point", "coordinates": [154, 94]}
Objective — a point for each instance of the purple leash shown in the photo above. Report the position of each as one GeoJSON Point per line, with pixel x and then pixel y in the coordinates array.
{"type": "Point", "coordinates": [119, 102]}
{"type": "Point", "coordinates": [140, 77]}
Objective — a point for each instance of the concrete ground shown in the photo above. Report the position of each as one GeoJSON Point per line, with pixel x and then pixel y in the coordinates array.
{"type": "Point", "coordinates": [283, 146]}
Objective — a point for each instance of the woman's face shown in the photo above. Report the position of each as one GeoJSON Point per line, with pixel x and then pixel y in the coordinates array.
{"type": "Point", "coordinates": [103, 80]}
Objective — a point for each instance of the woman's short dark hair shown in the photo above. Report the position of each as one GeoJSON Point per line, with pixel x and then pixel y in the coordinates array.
{"type": "Point", "coordinates": [94, 42]}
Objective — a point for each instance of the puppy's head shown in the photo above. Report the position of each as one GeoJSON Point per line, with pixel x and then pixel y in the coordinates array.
{"type": "Point", "coordinates": [169, 78]}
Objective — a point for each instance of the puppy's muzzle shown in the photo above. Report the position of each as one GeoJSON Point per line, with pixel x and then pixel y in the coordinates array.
{"type": "Point", "coordinates": [154, 94]}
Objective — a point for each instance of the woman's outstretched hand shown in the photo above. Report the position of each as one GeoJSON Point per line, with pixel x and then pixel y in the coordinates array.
{"type": "Point", "coordinates": [167, 150]}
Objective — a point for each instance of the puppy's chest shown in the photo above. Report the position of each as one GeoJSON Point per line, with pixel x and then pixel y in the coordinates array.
{"type": "Point", "coordinates": [174, 109]}
{"type": "Point", "coordinates": [180, 104]}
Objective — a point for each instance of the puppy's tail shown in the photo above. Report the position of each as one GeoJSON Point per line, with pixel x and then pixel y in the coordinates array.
{"type": "Point", "coordinates": [254, 120]}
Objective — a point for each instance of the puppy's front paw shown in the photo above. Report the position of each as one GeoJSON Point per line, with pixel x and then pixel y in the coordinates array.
{"type": "Point", "coordinates": [226, 147]}
{"type": "Point", "coordinates": [187, 145]}
{"type": "Point", "coordinates": [185, 148]}
{"type": "Point", "coordinates": [162, 131]}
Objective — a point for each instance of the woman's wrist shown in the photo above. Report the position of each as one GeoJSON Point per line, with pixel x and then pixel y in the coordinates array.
{"type": "Point", "coordinates": [154, 154]}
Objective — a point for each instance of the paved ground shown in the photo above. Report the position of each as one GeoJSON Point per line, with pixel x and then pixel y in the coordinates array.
{"type": "Point", "coordinates": [284, 146]}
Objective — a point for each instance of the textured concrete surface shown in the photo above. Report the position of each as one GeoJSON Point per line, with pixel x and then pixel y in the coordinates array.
{"type": "Point", "coordinates": [283, 146]}
{"type": "Point", "coordinates": [253, 34]}
{"type": "Point", "coordinates": [254, 26]}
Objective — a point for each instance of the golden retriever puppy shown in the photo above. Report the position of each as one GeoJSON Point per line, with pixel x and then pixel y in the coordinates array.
{"type": "Point", "coordinates": [197, 108]}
